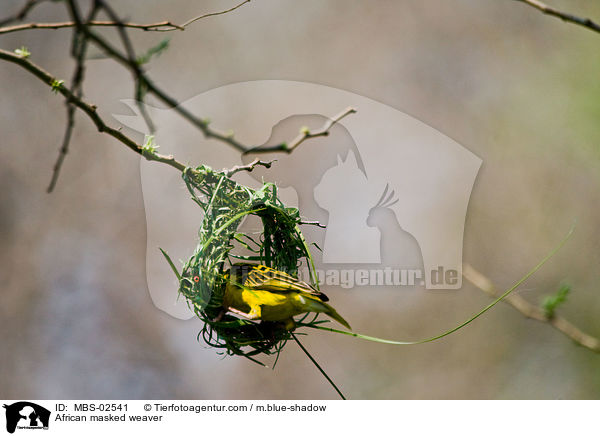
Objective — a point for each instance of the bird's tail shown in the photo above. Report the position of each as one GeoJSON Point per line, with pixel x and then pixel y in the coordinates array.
{"type": "Point", "coordinates": [319, 306]}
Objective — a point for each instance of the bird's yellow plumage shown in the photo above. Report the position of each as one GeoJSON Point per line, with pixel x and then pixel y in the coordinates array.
{"type": "Point", "coordinates": [259, 292]}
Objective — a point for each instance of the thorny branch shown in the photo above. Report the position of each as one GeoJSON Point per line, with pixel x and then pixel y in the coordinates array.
{"type": "Point", "coordinates": [89, 109]}
{"type": "Point", "coordinates": [256, 162]}
{"type": "Point", "coordinates": [531, 311]}
{"type": "Point", "coordinates": [78, 51]}
{"type": "Point", "coordinates": [212, 14]}
{"type": "Point", "coordinates": [166, 25]}
{"type": "Point", "coordinates": [570, 18]}
{"type": "Point", "coordinates": [22, 14]}
{"type": "Point", "coordinates": [143, 86]}
{"type": "Point", "coordinates": [83, 35]}
{"type": "Point", "coordinates": [304, 134]}
{"type": "Point", "coordinates": [161, 26]}
{"type": "Point", "coordinates": [169, 26]}
{"type": "Point", "coordinates": [201, 124]}
{"type": "Point", "coordinates": [131, 57]}
{"type": "Point", "coordinates": [313, 223]}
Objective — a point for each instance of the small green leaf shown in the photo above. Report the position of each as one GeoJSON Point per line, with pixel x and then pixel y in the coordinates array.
{"type": "Point", "coordinates": [149, 148]}
{"type": "Point", "coordinates": [23, 52]}
{"type": "Point", "coordinates": [551, 302]}
{"type": "Point", "coordinates": [56, 85]}
{"type": "Point", "coordinates": [170, 263]}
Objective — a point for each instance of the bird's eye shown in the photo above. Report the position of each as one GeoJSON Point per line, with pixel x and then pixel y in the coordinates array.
{"type": "Point", "coordinates": [196, 279]}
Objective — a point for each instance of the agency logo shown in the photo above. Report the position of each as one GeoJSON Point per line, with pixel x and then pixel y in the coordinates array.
{"type": "Point", "coordinates": [392, 191]}
{"type": "Point", "coordinates": [25, 415]}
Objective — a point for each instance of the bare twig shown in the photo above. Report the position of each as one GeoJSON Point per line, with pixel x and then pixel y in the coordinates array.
{"type": "Point", "coordinates": [203, 124]}
{"type": "Point", "coordinates": [64, 149]}
{"type": "Point", "coordinates": [193, 20]}
{"type": "Point", "coordinates": [313, 223]}
{"type": "Point", "coordinates": [144, 81]}
{"type": "Point", "coordinates": [89, 109]}
{"type": "Point", "coordinates": [136, 67]}
{"type": "Point", "coordinates": [161, 26]}
{"type": "Point", "coordinates": [531, 311]}
{"type": "Point", "coordinates": [570, 18]}
{"type": "Point", "coordinates": [20, 16]}
{"type": "Point", "coordinates": [256, 162]}
{"type": "Point", "coordinates": [143, 85]}
{"type": "Point", "coordinates": [164, 25]}
{"type": "Point", "coordinates": [305, 134]}
{"type": "Point", "coordinates": [160, 94]}
{"type": "Point", "coordinates": [78, 52]}
{"type": "Point", "coordinates": [321, 370]}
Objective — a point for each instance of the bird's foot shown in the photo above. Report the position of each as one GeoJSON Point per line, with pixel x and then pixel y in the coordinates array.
{"type": "Point", "coordinates": [289, 324]}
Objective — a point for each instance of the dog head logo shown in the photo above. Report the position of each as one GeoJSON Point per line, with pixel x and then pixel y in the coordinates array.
{"type": "Point", "coordinates": [26, 415]}
{"type": "Point", "coordinates": [392, 191]}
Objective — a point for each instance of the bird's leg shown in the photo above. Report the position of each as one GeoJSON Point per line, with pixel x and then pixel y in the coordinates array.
{"type": "Point", "coordinates": [289, 324]}
{"type": "Point", "coordinates": [252, 315]}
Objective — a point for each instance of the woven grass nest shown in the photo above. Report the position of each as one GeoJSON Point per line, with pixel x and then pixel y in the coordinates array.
{"type": "Point", "coordinates": [202, 280]}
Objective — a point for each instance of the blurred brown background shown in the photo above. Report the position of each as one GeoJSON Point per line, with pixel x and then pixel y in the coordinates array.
{"type": "Point", "coordinates": [519, 89]}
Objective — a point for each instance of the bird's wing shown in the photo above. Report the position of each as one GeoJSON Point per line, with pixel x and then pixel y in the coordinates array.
{"type": "Point", "coordinates": [261, 277]}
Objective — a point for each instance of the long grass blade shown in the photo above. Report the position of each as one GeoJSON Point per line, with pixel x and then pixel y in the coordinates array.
{"type": "Point", "coordinates": [463, 324]}
{"type": "Point", "coordinates": [318, 367]}
{"type": "Point", "coordinates": [170, 263]}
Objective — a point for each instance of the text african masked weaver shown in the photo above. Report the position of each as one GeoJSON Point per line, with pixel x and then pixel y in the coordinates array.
{"type": "Point", "coordinates": [257, 292]}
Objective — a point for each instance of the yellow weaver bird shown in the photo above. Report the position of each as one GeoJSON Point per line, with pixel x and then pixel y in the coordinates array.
{"type": "Point", "coordinates": [258, 292]}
